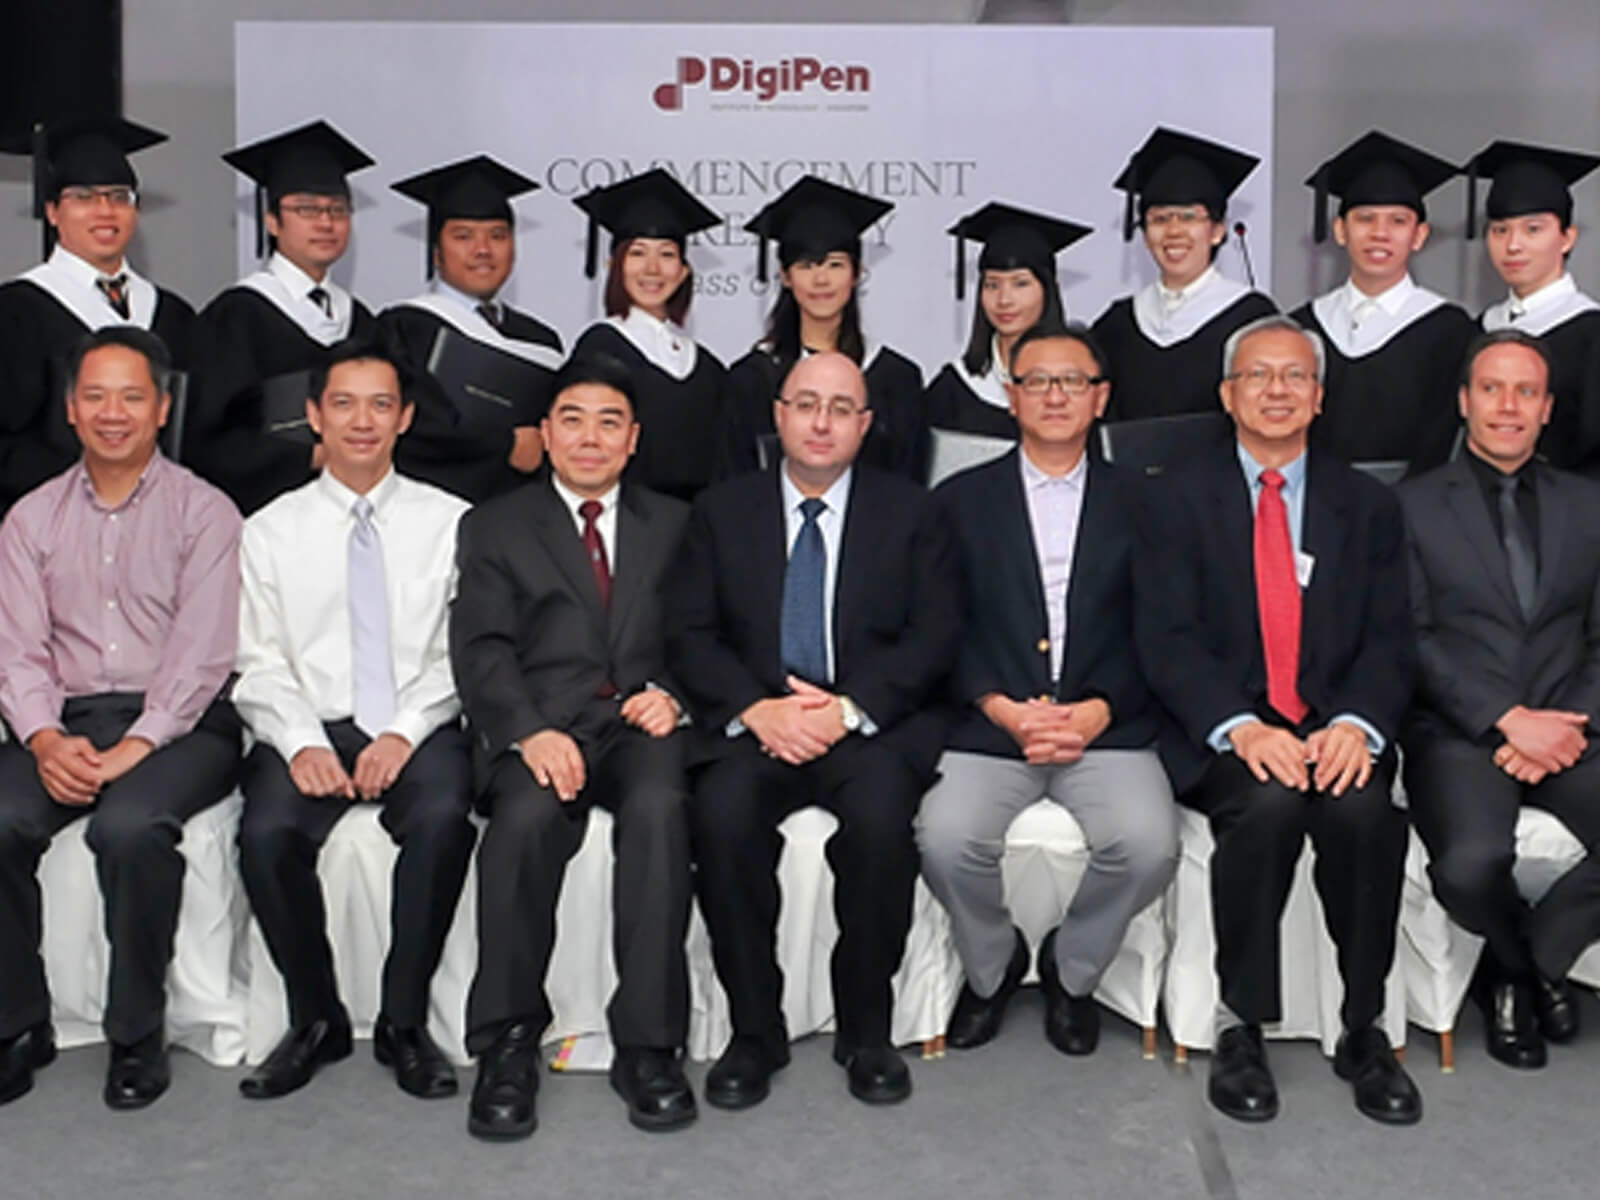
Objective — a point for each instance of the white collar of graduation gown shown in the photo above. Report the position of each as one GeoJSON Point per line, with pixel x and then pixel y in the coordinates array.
{"type": "Point", "coordinates": [460, 311]}
{"type": "Point", "coordinates": [1359, 324]}
{"type": "Point", "coordinates": [990, 387]}
{"type": "Point", "coordinates": [1167, 317]}
{"type": "Point", "coordinates": [286, 285]}
{"type": "Point", "coordinates": [71, 281]}
{"type": "Point", "coordinates": [662, 343]}
{"type": "Point", "coordinates": [1540, 311]}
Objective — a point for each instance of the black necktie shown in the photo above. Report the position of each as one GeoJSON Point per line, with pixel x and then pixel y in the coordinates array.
{"type": "Point", "coordinates": [115, 292]}
{"type": "Point", "coordinates": [490, 314]}
{"type": "Point", "coordinates": [319, 296]}
{"type": "Point", "coordinates": [1519, 547]}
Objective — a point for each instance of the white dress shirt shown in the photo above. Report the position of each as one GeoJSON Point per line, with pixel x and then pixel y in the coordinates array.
{"type": "Point", "coordinates": [606, 522]}
{"type": "Point", "coordinates": [1055, 504]}
{"type": "Point", "coordinates": [1540, 311]}
{"type": "Point", "coordinates": [289, 288]}
{"type": "Point", "coordinates": [294, 662]}
{"type": "Point", "coordinates": [1359, 324]}
{"type": "Point", "coordinates": [1167, 316]}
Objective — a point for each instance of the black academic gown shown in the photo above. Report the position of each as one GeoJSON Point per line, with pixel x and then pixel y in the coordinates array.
{"type": "Point", "coordinates": [1150, 380]}
{"type": "Point", "coordinates": [894, 390]}
{"type": "Point", "coordinates": [1398, 402]}
{"type": "Point", "coordinates": [242, 339]}
{"type": "Point", "coordinates": [37, 335]}
{"type": "Point", "coordinates": [677, 454]}
{"type": "Point", "coordinates": [469, 458]}
{"type": "Point", "coordinates": [1572, 439]}
{"type": "Point", "coordinates": [951, 406]}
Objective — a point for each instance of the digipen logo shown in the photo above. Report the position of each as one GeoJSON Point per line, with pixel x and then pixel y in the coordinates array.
{"type": "Point", "coordinates": [764, 81]}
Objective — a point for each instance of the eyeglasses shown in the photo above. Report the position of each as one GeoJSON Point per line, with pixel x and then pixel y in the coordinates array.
{"type": "Point", "coordinates": [1294, 377]}
{"type": "Point", "coordinates": [116, 196]}
{"type": "Point", "coordinates": [334, 210]}
{"type": "Point", "coordinates": [1072, 383]}
{"type": "Point", "coordinates": [807, 404]}
{"type": "Point", "coordinates": [1160, 218]}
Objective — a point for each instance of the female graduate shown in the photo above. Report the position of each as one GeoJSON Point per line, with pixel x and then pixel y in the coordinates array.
{"type": "Point", "coordinates": [1017, 289]}
{"type": "Point", "coordinates": [649, 283]}
{"type": "Point", "coordinates": [1164, 342]}
{"type": "Point", "coordinates": [818, 227]}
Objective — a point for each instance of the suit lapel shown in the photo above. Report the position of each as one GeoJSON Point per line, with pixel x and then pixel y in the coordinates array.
{"type": "Point", "coordinates": [555, 528]}
{"type": "Point", "coordinates": [768, 549]}
{"type": "Point", "coordinates": [1326, 529]}
{"type": "Point", "coordinates": [856, 542]}
{"type": "Point", "coordinates": [1552, 532]}
{"type": "Point", "coordinates": [1465, 500]}
{"type": "Point", "coordinates": [1013, 530]}
{"type": "Point", "coordinates": [635, 550]}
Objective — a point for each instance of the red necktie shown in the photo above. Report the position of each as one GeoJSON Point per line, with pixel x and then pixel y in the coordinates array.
{"type": "Point", "coordinates": [589, 510]}
{"type": "Point", "coordinates": [1278, 599]}
{"type": "Point", "coordinates": [115, 293]}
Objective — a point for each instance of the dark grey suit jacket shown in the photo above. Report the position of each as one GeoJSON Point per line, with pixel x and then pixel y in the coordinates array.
{"type": "Point", "coordinates": [1478, 656]}
{"type": "Point", "coordinates": [529, 641]}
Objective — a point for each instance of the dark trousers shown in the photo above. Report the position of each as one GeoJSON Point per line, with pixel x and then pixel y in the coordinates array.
{"type": "Point", "coordinates": [1260, 830]}
{"type": "Point", "coordinates": [1466, 810]}
{"type": "Point", "coordinates": [523, 859]}
{"type": "Point", "coordinates": [738, 803]}
{"type": "Point", "coordinates": [425, 810]}
{"type": "Point", "coordinates": [135, 827]}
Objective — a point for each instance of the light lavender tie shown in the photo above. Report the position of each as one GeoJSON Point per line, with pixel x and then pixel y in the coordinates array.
{"type": "Point", "coordinates": [369, 625]}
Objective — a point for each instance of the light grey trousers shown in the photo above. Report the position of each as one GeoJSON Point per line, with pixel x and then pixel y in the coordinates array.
{"type": "Point", "coordinates": [1122, 801]}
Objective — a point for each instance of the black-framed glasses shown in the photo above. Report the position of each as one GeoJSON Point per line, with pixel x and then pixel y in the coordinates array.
{"type": "Point", "coordinates": [1071, 383]}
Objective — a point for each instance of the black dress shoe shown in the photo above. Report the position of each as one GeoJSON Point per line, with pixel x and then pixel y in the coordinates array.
{"type": "Point", "coordinates": [420, 1067]}
{"type": "Point", "coordinates": [1241, 1083]}
{"type": "Point", "coordinates": [742, 1077]}
{"type": "Point", "coordinates": [295, 1059]}
{"type": "Point", "coordinates": [1071, 1023]}
{"type": "Point", "coordinates": [508, 1079]}
{"type": "Point", "coordinates": [1383, 1090]}
{"type": "Point", "coordinates": [21, 1056]}
{"type": "Point", "coordinates": [651, 1081]}
{"type": "Point", "coordinates": [876, 1074]}
{"type": "Point", "coordinates": [1555, 1009]}
{"type": "Point", "coordinates": [138, 1074]}
{"type": "Point", "coordinates": [977, 1018]}
{"type": "Point", "coordinates": [1511, 1030]}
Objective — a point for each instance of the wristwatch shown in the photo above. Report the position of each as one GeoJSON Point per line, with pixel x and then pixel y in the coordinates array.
{"type": "Point", "coordinates": [850, 714]}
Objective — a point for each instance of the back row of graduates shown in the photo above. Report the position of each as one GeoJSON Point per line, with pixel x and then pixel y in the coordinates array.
{"type": "Point", "coordinates": [484, 368]}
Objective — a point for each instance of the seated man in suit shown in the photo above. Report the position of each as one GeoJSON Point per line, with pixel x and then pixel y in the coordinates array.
{"type": "Point", "coordinates": [344, 678]}
{"type": "Point", "coordinates": [1052, 703]}
{"type": "Point", "coordinates": [119, 587]}
{"type": "Point", "coordinates": [1505, 589]}
{"type": "Point", "coordinates": [1273, 625]}
{"type": "Point", "coordinates": [814, 617]}
{"type": "Point", "coordinates": [557, 642]}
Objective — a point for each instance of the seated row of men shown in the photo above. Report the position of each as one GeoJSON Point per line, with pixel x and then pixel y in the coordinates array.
{"type": "Point", "coordinates": [1236, 635]}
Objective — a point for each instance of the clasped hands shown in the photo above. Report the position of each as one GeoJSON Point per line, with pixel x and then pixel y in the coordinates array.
{"type": "Point", "coordinates": [73, 771]}
{"type": "Point", "coordinates": [317, 771]}
{"type": "Point", "coordinates": [1048, 731]}
{"type": "Point", "coordinates": [799, 727]}
{"type": "Point", "coordinates": [1539, 742]}
{"type": "Point", "coordinates": [1333, 759]}
{"type": "Point", "coordinates": [553, 757]}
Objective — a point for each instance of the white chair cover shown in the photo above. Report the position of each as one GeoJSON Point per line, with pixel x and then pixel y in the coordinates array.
{"type": "Point", "coordinates": [1312, 987]}
{"type": "Point", "coordinates": [205, 1001]}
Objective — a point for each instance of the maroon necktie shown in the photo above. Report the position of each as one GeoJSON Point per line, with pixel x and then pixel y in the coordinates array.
{"type": "Point", "coordinates": [115, 292]}
{"type": "Point", "coordinates": [1278, 599]}
{"type": "Point", "coordinates": [589, 510]}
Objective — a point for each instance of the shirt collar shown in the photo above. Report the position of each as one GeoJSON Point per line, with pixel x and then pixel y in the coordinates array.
{"type": "Point", "coordinates": [573, 501]}
{"type": "Point", "coordinates": [1490, 476]}
{"type": "Point", "coordinates": [345, 499]}
{"type": "Point", "coordinates": [1033, 477]}
{"type": "Point", "coordinates": [1294, 473]}
{"type": "Point", "coordinates": [998, 367]}
{"type": "Point", "coordinates": [1390, 301]}
{"type": "Point", "coordinates": [83, 271]}
{"type": "Point", "coordinates": [1172, 297]}
{"type": "Point", "coordinates": [471, 303]}
{"type": "Point", "coordinates": [1551, 293]}
{"type": "Point", "coordinates": [836, 497]}
{"type": "Point", "coordinates": [293, 278]}
{"type": "Point", "coordinates": [148, 479]}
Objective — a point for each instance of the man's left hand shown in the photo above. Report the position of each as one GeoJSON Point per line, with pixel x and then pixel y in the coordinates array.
{"type": "Point", "coordinates": [651, 710]}
{"type": "Point", "coordinates": [1340, 757]}
{"type": "Point", "coordinates": [380, 764]}
{"type": "Point", "coordinates": [123, 757]}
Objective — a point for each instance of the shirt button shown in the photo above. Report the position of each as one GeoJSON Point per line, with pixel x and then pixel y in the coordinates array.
{"type": "Point", "coordinates": [111, 603]}
{"type": "Point", "coordinates": [1044, 645]}
{"type": "Point", "coordinates": [112, 647]}
{"type": "Point", "coordinates": [108, 558]}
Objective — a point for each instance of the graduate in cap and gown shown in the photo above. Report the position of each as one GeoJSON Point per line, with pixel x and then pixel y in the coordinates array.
{"type": "Point", "coordinates": [1529, 233]}
{"type": "Point", "coordinates": [257, 342]}
{"type": "Point", "coordinates": [1017, 289]}
{"type": "Point", "coordinates": [649, 284]}
{"type": "Point", "coordinates": [1393, 348]}
{"type": "Point", "coordinates": [1164, 342]}
{"type": "Point", "coordinates": [87, 194]}
{"type": "Point", "coordinates": [480, 370]}
{"type": "Point", "coordinates": [818, 227]}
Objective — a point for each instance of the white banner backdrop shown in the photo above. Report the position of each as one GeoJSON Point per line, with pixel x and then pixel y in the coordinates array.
{"type": "Point", "coordinates": [938, 119]}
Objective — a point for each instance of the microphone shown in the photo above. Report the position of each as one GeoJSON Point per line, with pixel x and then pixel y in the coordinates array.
{"type": "Point", "coordinates": [1239, 231]}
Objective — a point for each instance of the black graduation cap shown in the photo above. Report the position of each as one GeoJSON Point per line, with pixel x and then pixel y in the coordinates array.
{"type": "Point", "coordinates": [313, 158]}
{"type": "Point", "coordinates": [474, 189]}
{"type": "Point", "coordinates": [812, 220]}
{"type": "Point", "coordinates": [1179, 168]}
{"type": "Point", "coordinates": [1525, 179]}
{"type": "Point", "coordinates": [1013, 239]}
{"type": "Point", "coordinates": [653, 204]}
{"type": "Point", "coordinates": [81, 152]}
{"type": "Point", "coordinates": [1376, 169]}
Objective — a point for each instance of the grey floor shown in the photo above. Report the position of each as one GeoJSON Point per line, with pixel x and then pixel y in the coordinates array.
{"type": "Point", "coordinates": [1012, 1119]}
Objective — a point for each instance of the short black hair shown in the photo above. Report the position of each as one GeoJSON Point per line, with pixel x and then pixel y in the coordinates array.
{"type": "Point", "coordinates": [129, 337]}
{"type": "Point", "coordinates": [1072, 331]}
{"type": "Point", "coordinates": [357, 349]}
{"type": "Point", "coordinates": [596, 367]}
{"type": "Point", "coordinates": [1507, 337]}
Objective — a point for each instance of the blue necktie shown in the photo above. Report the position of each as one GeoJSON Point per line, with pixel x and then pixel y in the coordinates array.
{"type": "Point", "coordinates": [805, 646]}
{"type": "Point", "coordinates": [370, 662]}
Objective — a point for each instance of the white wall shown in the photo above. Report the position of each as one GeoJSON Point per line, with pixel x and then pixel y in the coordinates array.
{"type": "Point", "coordinates": [1450, 74]}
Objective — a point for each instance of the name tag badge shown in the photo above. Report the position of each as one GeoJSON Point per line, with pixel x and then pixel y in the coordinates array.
{"type": "Point", "coordinates": [1303, 563]}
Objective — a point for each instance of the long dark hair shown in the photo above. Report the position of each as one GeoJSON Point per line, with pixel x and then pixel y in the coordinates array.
{"type": "Point", "coordinates": [978, 354]}
{"type": "Point", "coordinates": [782, 341]}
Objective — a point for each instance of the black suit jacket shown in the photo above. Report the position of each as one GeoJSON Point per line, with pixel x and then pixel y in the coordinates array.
{"type": "Point", "coordinates": [896, 616]}
{"type": "Point", "coordinates": [529, 642]}
{"type": "Point", "coordinates": [1007, 644]}
{"type": "Point", "coordinates": [1479, 657]}
{"type": "Point", "coordinates": [1198, 633]}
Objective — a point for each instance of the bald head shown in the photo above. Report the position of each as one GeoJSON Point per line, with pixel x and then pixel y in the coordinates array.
{"type": "Point", "coordinates": [821, 417]}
